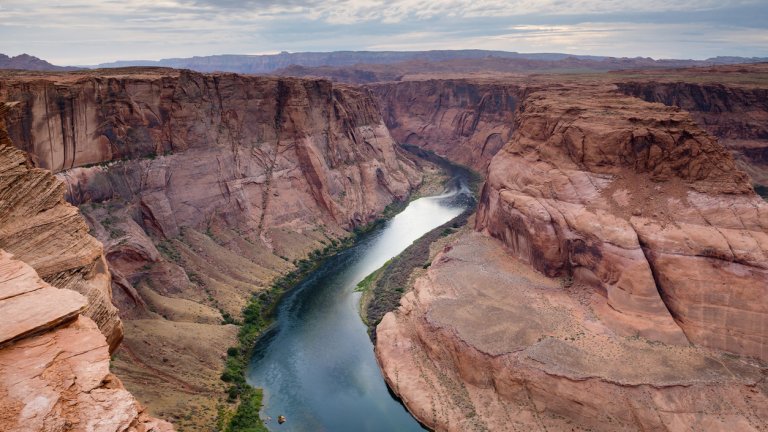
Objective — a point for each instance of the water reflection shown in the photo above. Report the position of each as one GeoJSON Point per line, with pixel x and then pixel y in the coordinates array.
{"type": "Point", "coordinates": [317, 365]}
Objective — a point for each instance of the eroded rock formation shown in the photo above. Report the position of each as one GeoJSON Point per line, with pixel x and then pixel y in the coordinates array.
{"type": "Point", "coordinates": [636, 199]}
{"type": "Point", "coordinates": [54, 375]}
{"type": "Point", "coordinates": [40, 228]}
{"type": "Point", "coordinates": [650, 307]}
{"type": "Point", "coordinates": [732, 105]}
{"type": "Point", "coordinates": [54, 359]}
{"type": "Point", "coordinates": [485, 343]}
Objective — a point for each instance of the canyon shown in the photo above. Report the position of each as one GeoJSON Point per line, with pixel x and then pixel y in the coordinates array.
{"type": "Point", "coordinates": [625, 289]}
{"type": "Point", "coordinates": [614, 276]}
{"type": "Point", "coordinates": [728, 102]}
{"type": "Point", "coordinates": [202, 189]}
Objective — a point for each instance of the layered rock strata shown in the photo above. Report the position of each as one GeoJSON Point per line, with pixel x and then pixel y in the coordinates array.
{"type": "Point", "coordinates": [635, 199]}
{"type": "Point", "coordinates": [485, 343]}
{"type": "Point", "coordinates": [54, 373]}
{"type": "Point", "coordinates": [40, 228]}
{"type": "Point", "coordinates": [622, 234]}
{"type": "Point", "coordinates": [54, 359]}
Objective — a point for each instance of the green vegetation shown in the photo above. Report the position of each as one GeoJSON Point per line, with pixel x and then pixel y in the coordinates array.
{"type": "Point", "coordinates": [116, 233]}
{"type": "Point", "coordinates": [109, 224]}
{"type": "Point", "coordinates": [365, 284]}
{"type": "Point", "coordinates": [246, 418]}
{"type": "Point", "coordinates": [169, 251]}
{"type": "Point", "coordinates": [386, 286]}
{"type": "Point", "coordinates": [258, 315]}
{"type": "Point", "coordinates": [389, 212]}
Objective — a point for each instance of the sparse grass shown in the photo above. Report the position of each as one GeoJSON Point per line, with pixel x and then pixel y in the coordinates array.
{"type": "Point", "coordinates": [365, 284]}
{"type": "Point", "coordinates": [116, 233]}
{"type": "Point", "coordinates": [392, 281]}
{"type": "Point", "coordinates": [169, 251]}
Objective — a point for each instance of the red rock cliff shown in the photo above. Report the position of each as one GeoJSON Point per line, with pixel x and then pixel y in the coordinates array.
{"type": "Point", "coordinates": [54, 359]}
{"type": "Point", "coordinates": [40, 228]}
{"type": "Point", "coordinates": [203, 188]}
{"type": "Point", "coordinates": [636, 199]}
{"type": "Point", "coordinates": [736, 113]}
{"type": "Point", "coordinates": [465, 120]}
{"type": "Point", "coordinates": [238, 136]}
{"type": "Point", "coordinates": [621, 254]}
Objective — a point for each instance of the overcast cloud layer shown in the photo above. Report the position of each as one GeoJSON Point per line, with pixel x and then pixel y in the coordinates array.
{"type": "Point", "coordinates": [79, 32]}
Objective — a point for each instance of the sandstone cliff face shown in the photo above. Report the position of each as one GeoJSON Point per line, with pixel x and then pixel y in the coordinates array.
{"type": "Point", "coordinates": [55, 374]}
{"type": "Point", "coordinates": [652, 259]}
{"type": "Point", "coordinates": [485, 343]}
{"type": "Point", "coordinates": [737, 114]}
{"type": "Point", "coordinates": [244, 138]}
{"type": "Point", "coordinates": [205, 188]}
{"type": "Point", "coordinates": [635, 199]}
{"type": "Point", "coordinates": [54, 359]}
{"type": "Point", "coordinates": [467, 121]}
{"type": "Point", "coordinates": [40, 228]}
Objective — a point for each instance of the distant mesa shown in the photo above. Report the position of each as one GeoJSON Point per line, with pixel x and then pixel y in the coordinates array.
{"type": "Point", "coordinates": [273, 63]}
{"type": "Point", "coordinates": [372, 66]}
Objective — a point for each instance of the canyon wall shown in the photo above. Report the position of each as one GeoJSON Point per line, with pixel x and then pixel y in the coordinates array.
{"type": "Point", "coordinates": [203, 189]}
{"type": "Point", "coordinates": [57, 324]}
{"type": "Point", "coordinates": [40, 228]}
{"type": "Point", "coordinates": [467, 121]}
{"type": "Point", "coordinates": [635, 198]}
{"type": "Point", "coordinates": [735, 113]}
{"type": "Point", "coordinates": [619, 281]}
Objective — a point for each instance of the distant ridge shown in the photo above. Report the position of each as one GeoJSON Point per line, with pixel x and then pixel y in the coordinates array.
{"type": "Point", "coordinates": [28, 62]}
{"type": "Point", "coordinates": [268, 63]}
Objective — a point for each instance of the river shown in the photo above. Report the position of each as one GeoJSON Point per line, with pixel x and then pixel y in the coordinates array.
{"type": "Point", "coordinates": [316, 364]}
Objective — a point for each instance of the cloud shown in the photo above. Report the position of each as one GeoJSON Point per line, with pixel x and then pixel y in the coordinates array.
{"type": "Point", "coordinates": [83, 32]}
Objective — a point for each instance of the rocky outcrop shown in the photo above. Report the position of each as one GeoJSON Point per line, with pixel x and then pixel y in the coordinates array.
{"type": "Point", "coordinates": [40, 228]}
{"type": "Point", "coordinates": [465, 120]}
{"type": "Point", "coordinates": [621, 235]}
{"type": "Point", "coordinates": [735, 112]}
{"type": "Point", "coordinates": [44, 307]}
{"type": "Point", "coordinates": [240, 140]}
{"type": "Point", "coordinates": [251, 154]}
{"type": "Point", "coordinates": [54, 359]}
{"type": "Point", "coordinates": [635, 199]}
{"type": "Point", "coordinates": [485, 343]}
{"type": "Point", "coordinates": [54, 362]}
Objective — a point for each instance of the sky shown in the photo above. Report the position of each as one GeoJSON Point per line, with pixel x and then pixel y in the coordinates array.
{"type": "Point", "coordinates": [80, 32]}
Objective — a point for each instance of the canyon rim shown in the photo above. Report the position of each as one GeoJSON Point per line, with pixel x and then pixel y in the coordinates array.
{"type": "Point", "coordinates": [595, 257]}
